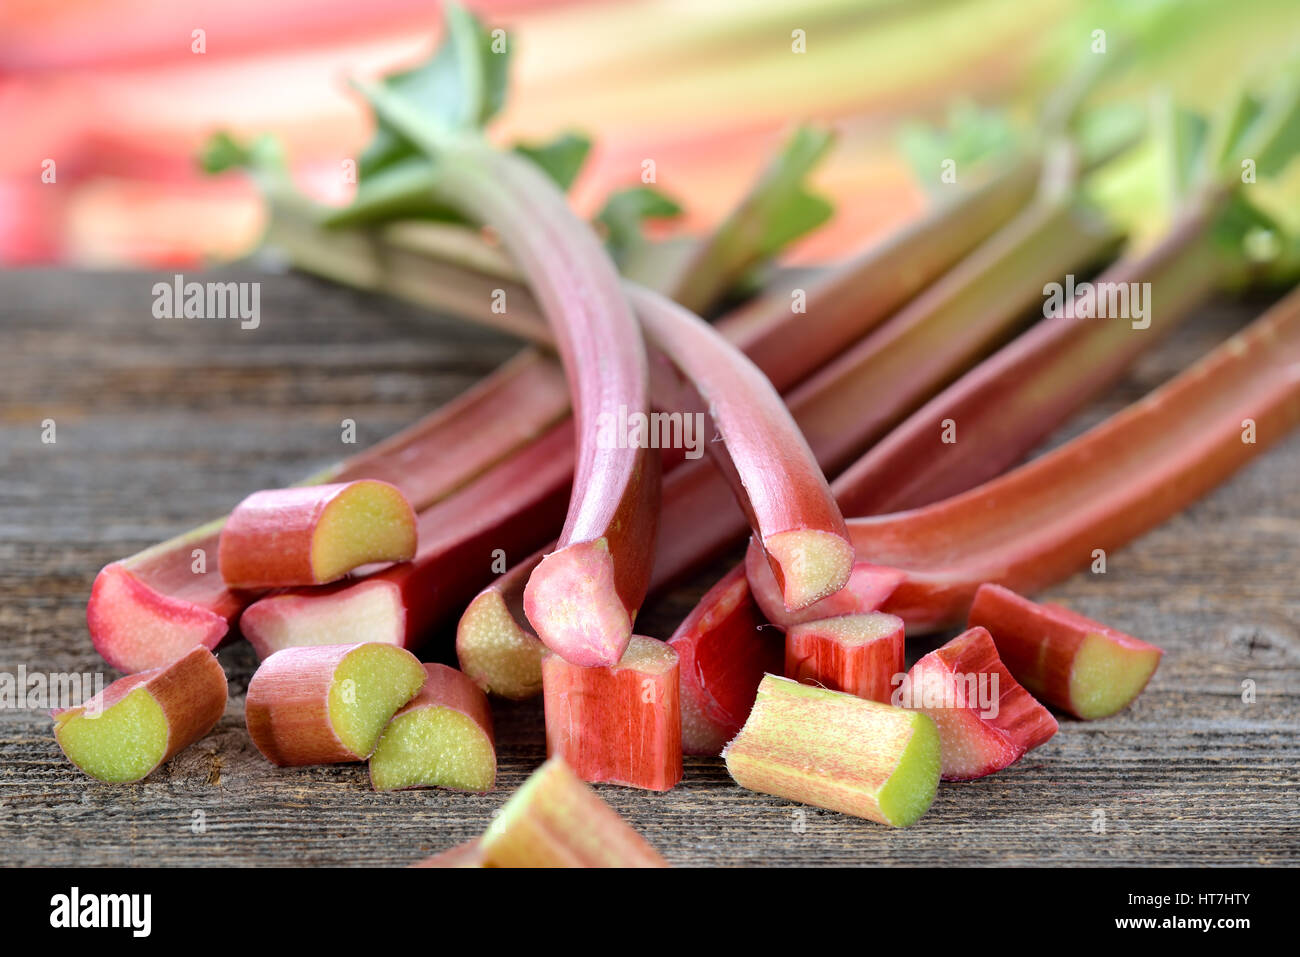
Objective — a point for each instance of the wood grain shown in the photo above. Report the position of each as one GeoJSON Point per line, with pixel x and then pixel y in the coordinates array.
{"type": "Point", "coordinates": [163, 423]}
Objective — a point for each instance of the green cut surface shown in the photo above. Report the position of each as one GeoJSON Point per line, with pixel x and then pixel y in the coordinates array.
{"type": "Point", "coordinates": [911, 788]}
{"type": "Point", "coordinates": [367, 522]}
{"type": "Point", "coordinates": [122, 744]}
{"type": "Point", "coordinates": [1106, 676]}
{"type": "Point", "coordinates": [369, 686]}
{"type": "Point", "coordinates": [433, 747]}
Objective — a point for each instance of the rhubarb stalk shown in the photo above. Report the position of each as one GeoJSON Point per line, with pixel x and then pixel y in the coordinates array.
{"type": "Point", "coordinates": [143, 720]}
{"type": "Point", "coordinates": [619, 724]}
{"type": "Point", "coordinates": [1071, 662]}
{"type": "Point", "coordinates": [555, 820]}
{"type": "Point", "coordinates": [857, 654]}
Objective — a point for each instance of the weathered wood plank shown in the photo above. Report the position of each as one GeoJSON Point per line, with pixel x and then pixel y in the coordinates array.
{"type": "Point", "coordinates": [163, 423]}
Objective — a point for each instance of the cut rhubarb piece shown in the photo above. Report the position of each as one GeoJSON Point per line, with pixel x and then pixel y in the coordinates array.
{"type": "Point", "coordinates": [772, 471]}
{"type": "Point", "coordinates": [153, 607]}
{"type": "Point", "coordinates": [1043, 521]}
{"type": "Point", "coordinates": [513, 508]}
{"type": "Point", "coordinates": [620, 724]}
{"type": "Point", "coordinates": [555, 820]}
{"type": "Point", "coordinates": [858, 654]}
{"type": "Point", "coordinates": [328, 704]}
{"type": "Point", "coordinates": [140, 721]}
{"type": "Point", "coordinates": [833, 750]}
{"type": "Point", "coordinates": [314, 534]}
{"type": "Point", "coordinates": [986, 720]}
{"type": "Point", "coordinates": [1071, 662]}
{"type": "Point", "coordinates": [493, 643]}
{"type": "Point", "coordinates": [469, 854]}
{"type": "Point", "coordinates": [723, 651]}
{"type": "Point", "coordinates": [868, 587]}
{"type": "Point", "coordinates": [441, 738]}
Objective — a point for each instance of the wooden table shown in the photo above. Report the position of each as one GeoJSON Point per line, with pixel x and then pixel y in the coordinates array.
{"type": "Point", "coordinates": [163, 423]}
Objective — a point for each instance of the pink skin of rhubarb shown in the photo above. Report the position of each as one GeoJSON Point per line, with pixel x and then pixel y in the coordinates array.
{"type": "Point", "coordinates": [857, 654]}
{"type": "Point", "coordinates": [723, 650]}
{"type": "Point", "coordinates": [1071, 662]}
{"type": "Point", "coordinates": [514, 507]}
{"type": "Point", "coordinates": [620, 724]}
{"type": "Point", "coordinates": [444, 688]}
{"type": "Point", "coordinates": [1042, 522]}
{"type": "Point", "coordinates": [986, 720]}
{"type": "Point", "coordinates": [770, 467]}
{"type": "Point", "coordinates": [191, 693]}
{"type": "Point", "coordinates": [1009, 403]}
{"type": "Point", "coordinates": [290, 706]}
{"type": "Point", "coordinates": [868, 587]}
{"type": "Point", "coordinates": [279, 538]}
{"type": "Point", "coordinates": [153, 607]}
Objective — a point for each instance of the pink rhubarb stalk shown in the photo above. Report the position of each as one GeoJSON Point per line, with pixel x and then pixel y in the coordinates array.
{"type": "Point", "coordinates": [1071, 662]}
{"type": "Point", "coordinates": [986, 720]}
{"type": "Point", "coordinates": [857, 654]}
{"type": "Point", "coordinates": [143, 720]}
{"type": "Point", "coordinates": [723, 650]}
{"type": "Point", "coordinates": [1045, 520]}
{"type": "Point", "coordinates": [868, 587]}
{"type": "Point", "coordinates": [314, 534]}
{"type": "Point", "coordinates": [154, 606]}
{"type": "Point", "coordinates": [328, 704]}
{"type": "Point", "coordinates": [619, 724]}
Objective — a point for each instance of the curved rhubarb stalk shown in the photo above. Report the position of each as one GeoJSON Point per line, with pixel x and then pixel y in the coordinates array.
{"type": "Point", "coordinates": [764, 457]}
{"type": "Point", "coordinates": [1042, 522]}
{"type": "Point", "coordinates": [150, 608]}
{"type": "Point", "coordinates": [1006, 405]}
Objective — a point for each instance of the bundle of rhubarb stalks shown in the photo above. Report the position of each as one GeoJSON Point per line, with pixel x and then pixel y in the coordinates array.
{"type": "Point", "coordinates": [634, 443]}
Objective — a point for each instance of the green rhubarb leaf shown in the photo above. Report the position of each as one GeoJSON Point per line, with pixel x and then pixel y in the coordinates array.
{"type": "Point", "coordinates": [970, 137]}
{"type": "Point", "coordinates": [624, 215]}
{"type": "Point", "coordinates": [461, 87]}
{"type": "Point", "coordinates": [561, 159]}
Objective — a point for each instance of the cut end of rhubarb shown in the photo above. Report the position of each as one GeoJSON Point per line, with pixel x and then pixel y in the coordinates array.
{"type": "Point", "coordinates": [120, 745]}
{"type": "Point", "coordinates": [502, 657]}
{"type": "Point", "coordinates": [370, 684]}
{"type": "Point", "coordinates": [367, 521]}
{"type": "Point", "coordinates": [1108, 675]}
{"type": "Point", "coordinates": [572, 601]}
{"type": "Point", "coordinates": [134, 627]}
{"type": "Point", "coordinates": [433, 747]}
{"type": "Point", "coordinates": [911, 788]}
{"type": "Point", "coordinates": [852, 631]}
{"type": "Point", "coordinates": [809, 564]}
{"type": "Point", "coordinates": [368, 611]}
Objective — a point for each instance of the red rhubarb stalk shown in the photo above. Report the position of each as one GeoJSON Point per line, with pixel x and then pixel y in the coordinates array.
{"type": "Point", "coordinates": [314, 534]}
{"type": "Point", "coordinates": [441, 738]}
{"type": "Point", "coordinates": [1045, 520]}
{"type": "Point", "coordinates": [328, 704]}
{"type": "Point", "coordinates": [857, 654]}
{"type": "Point", "coordinates": [154, 606]}
{"type": "Point", "coordinates": [770, 468]}
{"type": "Point", "coordinates": [986, 720]}
{"type": "Point", "coordinates": [513, 508]}
{"type": "Point", "coordinates": [619, 724]}
{"type": "Point", "coordinates": [143, 720]}
{"type": "Point", "coordinates": [1071, 662]}
{"type": "Point", "coordinates": [723, 650]}
{"type": "Point", "coordinates": [868, 587]}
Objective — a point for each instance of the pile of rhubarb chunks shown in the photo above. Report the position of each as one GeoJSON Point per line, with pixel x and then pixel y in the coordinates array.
{"type": "Point", "coordinates": [540, 510]}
